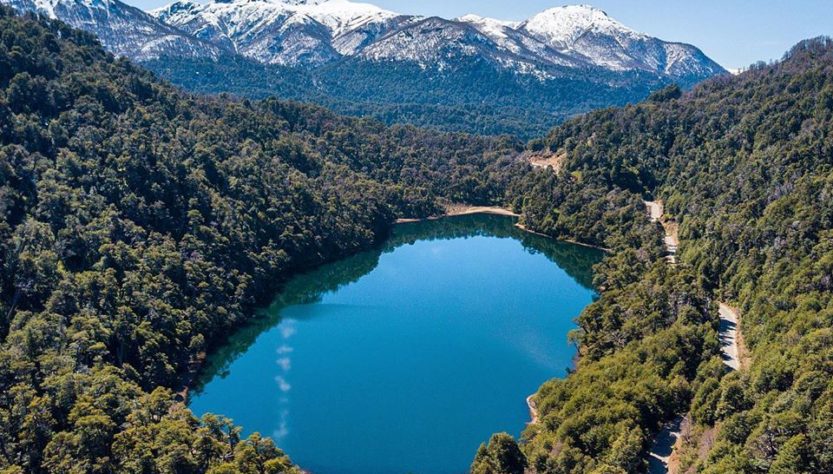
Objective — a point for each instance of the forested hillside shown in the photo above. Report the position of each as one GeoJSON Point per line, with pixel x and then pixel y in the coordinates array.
{"type": "Point", "coordinates": [474, 97]}
{"type": "Point", "coordinates": [138, 225]}
{"type": "Point", "coordinates": [745, 167]}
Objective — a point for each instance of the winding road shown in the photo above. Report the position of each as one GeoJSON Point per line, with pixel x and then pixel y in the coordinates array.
{"type": "Point", "coordinates": [656, 210]}
{"type": "Point", "coordinates": [729, 326]}
{"type": "Point", "coordinates": [659, 460]}
{"type": "Point", "coordinates": [663, 447]}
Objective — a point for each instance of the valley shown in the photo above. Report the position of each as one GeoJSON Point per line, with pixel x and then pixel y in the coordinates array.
{"type": "Point", "coordinates": [145, 226]}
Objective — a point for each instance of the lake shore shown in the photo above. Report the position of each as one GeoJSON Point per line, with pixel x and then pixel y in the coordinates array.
{"type": "Point", "coordinates": [482, 257]}
{"type": "Point", "coordinates": [533, 409]}
{"type": "Point", "coordinates": [465, 210]}
{"type": "Point", "coordinates": [569, 241]}
{"type": "Point", "coordinates": [462, 210]}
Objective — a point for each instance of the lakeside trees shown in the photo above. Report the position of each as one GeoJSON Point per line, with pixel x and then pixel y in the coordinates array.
{"type": "Point", "coordinates": [139, 224]}
{"type": "Point", "coordinates": [745, 166]}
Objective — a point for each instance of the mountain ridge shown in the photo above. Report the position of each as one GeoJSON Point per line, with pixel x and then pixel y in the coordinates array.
{"type": "Point", "coordinates": [574, 37]}
{"type": "Point", "coordinates": [471, 74]}
{"type": "Point", "coordinates": [123, 29]}
{"type": "Point", "coordinates": [298, 33]}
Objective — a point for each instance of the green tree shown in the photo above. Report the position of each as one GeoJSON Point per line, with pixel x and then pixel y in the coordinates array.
{"type": "Point", "coordinates": [500, 456]}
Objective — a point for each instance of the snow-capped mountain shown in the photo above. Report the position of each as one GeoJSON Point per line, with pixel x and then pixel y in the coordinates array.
{"type": "Point", "coordinates": [311, 33]}
{"type": "Point", "coordinates": [588, 33]}
{"type": "Point", "coordinates": [316, 32]}
{"type": "Point", "coordinates": [440, 44]}
{"type": "Point", "coordinates": [122, 29]}
{"type": "Point", "coordinates": [289, 32]}
{"type": "Point", "coordinates": [470, 74]}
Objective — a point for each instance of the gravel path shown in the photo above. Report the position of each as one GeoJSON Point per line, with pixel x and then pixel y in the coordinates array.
{"type": "Point", "coordinates": [729, 322]}
{"type": "Point", "coordinates": [533, 409]}
{"type": "Point", "coordinates": [663, 447]}
{"type": "Point", "coordinates": [656, 210]}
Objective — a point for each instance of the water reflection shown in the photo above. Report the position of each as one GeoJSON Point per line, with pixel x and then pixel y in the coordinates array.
{"type": "Point", "coordinates": [308, 288]}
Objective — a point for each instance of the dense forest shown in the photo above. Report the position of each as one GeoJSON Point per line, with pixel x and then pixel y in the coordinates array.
{"type": "Point", "coordinates": [745, 167]}
{"type": "Point", "coordinates": [139, 223]}
{"type": "Point", "coordinates": [472, 98]}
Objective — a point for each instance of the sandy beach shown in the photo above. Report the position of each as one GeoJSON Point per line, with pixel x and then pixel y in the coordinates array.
{"type": "Point", "coordinates": [463, 210]}
{"type": "Point", "coordinates": [533, 409]}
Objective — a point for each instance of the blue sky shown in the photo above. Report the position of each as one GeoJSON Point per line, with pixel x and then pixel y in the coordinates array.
{"type": "Point", "coordinates": [735, 33]}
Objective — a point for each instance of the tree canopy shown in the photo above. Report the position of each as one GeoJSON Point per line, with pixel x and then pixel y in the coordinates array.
{"type": "Point", "coordinates": [139, 224]}
{"type": "Point", "coordinates": [745, 167]}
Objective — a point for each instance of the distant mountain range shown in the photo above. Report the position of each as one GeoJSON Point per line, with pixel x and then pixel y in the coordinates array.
{"type": "Point", "coordinates": [471, 73]}
{"type": "Point", "coordinates": [311, 33]}
{"type": "Point", "coordinates": [122, 29]}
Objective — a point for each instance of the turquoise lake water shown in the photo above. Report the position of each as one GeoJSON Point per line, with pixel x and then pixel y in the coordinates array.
{"type": "Point", "coordinates": [405, 358]}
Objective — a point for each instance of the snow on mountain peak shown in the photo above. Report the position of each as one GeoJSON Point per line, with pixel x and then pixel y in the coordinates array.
{"type": "Point", "coordinates": [343, 15]}
{"type": "Point", "coordinates": [491, 27]}
{"type": "Point", "coordinates": [289, 32]}
{"type": "Point", "coordinates": [313, 32]}
{"type": "Point", "coordinates": [562, 26]}
{"type": "Point", "coordinates": [310, 33]}
{"type": "Point", "coordinates": [337, 15]}
{"type": "Point", "coordinates": [48, 7]}
{"type": "Point", "coordinates": [303, 2]}
{"type": "Point", "coordinates": [472, 18]}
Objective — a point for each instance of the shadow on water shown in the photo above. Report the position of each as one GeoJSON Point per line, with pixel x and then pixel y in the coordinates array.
{"type": "Point", "coordinates": [308, 288]}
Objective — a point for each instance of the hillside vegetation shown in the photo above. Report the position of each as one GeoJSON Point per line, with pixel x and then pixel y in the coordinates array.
{"type": "Point", "coordinates": [473, 97]}
{"type": "Point", "coordinates": [745, 166]}
{"type": "Point", "coordinates": [138, 225]}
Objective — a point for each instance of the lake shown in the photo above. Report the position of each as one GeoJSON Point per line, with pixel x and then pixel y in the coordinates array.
{"type": "Point", "coordinates": [407, 357]}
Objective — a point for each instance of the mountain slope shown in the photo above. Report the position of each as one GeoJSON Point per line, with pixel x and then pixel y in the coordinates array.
{"type": "Point", "coordinates": [744, 166]}
{"type": "Point", "coordinates": [470, 74]}
{"type": "Point", "coordinates": [291, 33]}
{"type": "Point", "coordinates": [318, 32]}
{"type": "Point", "coordinates": [122, 29]}
{"type": "Point", "coordinates": [589, 33]}
{"type": "Point", "coordinates": [473, 97]}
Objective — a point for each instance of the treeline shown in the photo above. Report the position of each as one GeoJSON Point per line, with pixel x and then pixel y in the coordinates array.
{"type": "Point", "coordinates": [472, 97]}
{"type": "Point", "coordinates": [139, 224]}
{"type": "Point", "coordinates": [745, 166]}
